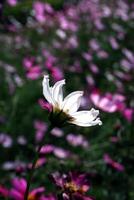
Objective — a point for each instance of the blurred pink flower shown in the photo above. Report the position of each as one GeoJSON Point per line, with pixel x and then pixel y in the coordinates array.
{"type": "Point", "coordinates": [48, 148]}
{"type": "Point", "coordinates": [108, 102]}
{"type": "Point", "coordinates": [34, 72]}
{"type": "Point", "coordinates": [60, 152]}
{"type": "Point", "coordinates": [12, 2]}
{"type": "Point", "coordinates": [114, 139]}
{"type": "Point", "coordinates": [56, 73]}
{"type": "Point", "coordinates": [28, 62]}
{"type": "Point", "coordinates": [77, 140]}
{"type": "Point", "coordinates": [5, 140]}
{"type": "Point", "coordinates": [18, 190]}
{"type": "Point", "coordinates": [3, 191]}
{"type": "Point", "coordinates": [41, 10]}
{"type": "Point", "coordinates": [57, 132]}
{"type": "Point", "coordinates": [113, 163]}
{"type": "Point", "coordinates": [45, 105]}
{"type": "Point", "coordinates": [40, 128]}
{"type": "Point", "coordinates": [113, 43]}
{"type": "Point", "coordinates": [40, 162]}
{"type": "Point", "coordinates": [128, 113]}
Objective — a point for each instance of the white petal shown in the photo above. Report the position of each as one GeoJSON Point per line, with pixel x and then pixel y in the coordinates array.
{"type": "Point", "coordinates": [92, 123]}
{"type": "Point", "coordinates": [57, 92]}
{"type": "Point", "coordinates": [72, 102]}
{"type": "Point", "coordinates": [86, 116]}
{"type": "Point", "coordinates": [47, 90]}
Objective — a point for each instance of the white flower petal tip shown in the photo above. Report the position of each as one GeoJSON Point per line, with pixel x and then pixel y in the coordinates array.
{"type": "Point", "coordinates": [99, 122]}
{"type": "Point", "coordinates": [68, 107]}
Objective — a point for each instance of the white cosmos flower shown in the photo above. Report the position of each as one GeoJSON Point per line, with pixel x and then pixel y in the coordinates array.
{"type": "Point", "coordinates": [67, 108]}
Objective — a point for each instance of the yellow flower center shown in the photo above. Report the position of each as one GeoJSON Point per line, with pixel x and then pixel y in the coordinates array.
{"type": "Point", "coordinates": [71, 187]}
{"type": "Point", "coordinates": [31, 197]}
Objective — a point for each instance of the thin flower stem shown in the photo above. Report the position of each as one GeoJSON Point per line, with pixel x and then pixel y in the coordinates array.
{"type": "Point", "coordinates": [30, 176]}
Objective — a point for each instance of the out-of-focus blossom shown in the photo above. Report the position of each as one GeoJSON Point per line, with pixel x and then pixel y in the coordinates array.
{"type": "Point", "coordinates": [17, 166]}
{"type": "Point", "coordinates": [12, 2]}
{"type": "Point", "coordinates": [113, 43]}
{"type": "Point", "coordinates": [67, 109]}
{"type": "Point", "coordinates": [21, 140]}
{"type": "Point", "coordinates": [57, 74]}
{"type": "Point", "coordinates": [94, 45]}
{"type": "Point", "coordinates": [108, 102]}
{"type": "Point", "coordinates": [41, 10]}
{"type": "Point", "coordinates": [114, 139]}
{"type": "Point", "coordinates": [56, 151]}
{"type": "Point", "coordinates": [87, 56]}
{"type": "Point", "coordinates": [61, 33]}
{"type": "Point", "coordinates": [41, 128]}
{"type": "Point", "coordinates": [102, 54]}
{"type": "Point", "coordinates": [28, 62]}
{"type": "Point", "coordinates": [77, 140]}
{"type": "Point", "coordinates": [44, 105]}
{"type": "Point", "coordinates": [61, 153]}
{"type": "Point", "coordinates": [3, 191]}
{"type": "Point", "coordinates": [72, 185]}
{"type": "Point", "coordinates": [40, 162]}
{"type": "Point", "coordinates": [5, 140]}
{"type": "Point", "coordinates": [128, 113]}
{"type": "Point", "coordinates": [129, 55]}
{"type": "Point", "coordinates": [18, 190]}
{"type": "Point", "coordinates": [57, 132]}
{"type": "Point", "coordinates": [108, 160]}
{"type": "Point", "coordinates": [94, 68]}
{"type": "Point", "coordinates": [48, 148]}
{"type": "Point", "coordinates": [33, 71]}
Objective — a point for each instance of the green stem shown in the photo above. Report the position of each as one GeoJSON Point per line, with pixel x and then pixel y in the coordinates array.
{"type": "Point", "coordinates": [29, 179]}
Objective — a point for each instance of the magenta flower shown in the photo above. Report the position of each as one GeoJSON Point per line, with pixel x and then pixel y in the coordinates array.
{"type": "Point", "coordinates": [108, 160]}
{"type": "Point", "coordinates": [12, 2]}
{"type": "Point", "coordinates": [3, 191]}
{"type": "Point", "coordinates": [44, 105]}
{"type": "Point", "coordinates": [72, 185]}
{"type": "Point", "coordinates": [40, 128]}
{"type": "Point", "coordinates": [128, 114]}
{"type": "Point", "coordinates": [108, 102]}
{"type": "Point", "coordinates": [18, 190]}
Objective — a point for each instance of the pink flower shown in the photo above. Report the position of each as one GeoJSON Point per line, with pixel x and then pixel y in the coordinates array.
{"type": "Point", "coordinates": [40, 128]}
{"type": "Point", "coordinates": [40, 162]}
{"type": "Point", "coordinates": [34, 72]}
{"type": "Point", "coordinates": [56, 73]}
{"type": "Point", "coordinates": [47, 149]}
{"type": "Point", "coordinates": [28, 62]}
{"type": "Point", "coordinates": [60, 153]}
{"type": "Point", "coordinates": [41, 10]}
{"type": "Point", "coordinates": [108, 102]}
{"type": "Point", "coordinates": [72, 185]}
{"type": "Point", "coordinates": [5, 140]}
{"type": "Point", "coordinates": [128, 114]}
{"type": "Point", "coordinates": [3, 191]}
{"type": "Point", "coordinates": [77, 140]}
{"type": "Point", "coordinates": [18, 190]}
{"type": "Point", "coordinates": [12, 2]}
{"type": "Point", "coordinates": [113, 163]}
{"type": "Point", "coordinates": [113, 43]}
{"type": "Point", "coordinates": [45, 105]}
{"type": "Point", "coordinates": [57, 132]}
